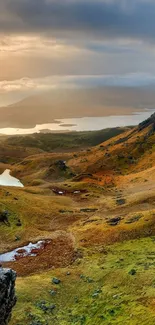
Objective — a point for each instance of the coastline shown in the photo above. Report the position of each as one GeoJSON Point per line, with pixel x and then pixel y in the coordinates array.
{"type": "Point", "coordinates": [26, 121]}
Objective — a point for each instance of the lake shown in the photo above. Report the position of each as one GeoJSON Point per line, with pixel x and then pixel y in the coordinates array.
{"type": "Point", "coordinates": [84, 123]}
{"type": "Point", "coordinates": [20, 252]}
{"type": "Point", "coordinates": [7, 180]}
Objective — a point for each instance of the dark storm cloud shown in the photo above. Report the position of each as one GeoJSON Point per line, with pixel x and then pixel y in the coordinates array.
{"type": "Point", "coordinates": [112, 18]}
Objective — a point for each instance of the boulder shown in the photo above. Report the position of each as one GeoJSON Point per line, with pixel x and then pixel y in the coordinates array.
{"type": "Point", "coordinates": [7, 294]}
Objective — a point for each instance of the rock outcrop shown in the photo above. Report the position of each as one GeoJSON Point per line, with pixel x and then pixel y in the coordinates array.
{"type": "Point", "coordinates": [7, 294]}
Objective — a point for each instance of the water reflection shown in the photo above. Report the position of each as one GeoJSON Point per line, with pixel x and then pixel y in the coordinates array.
{"type": "Point", "coordinates": [84, 123]}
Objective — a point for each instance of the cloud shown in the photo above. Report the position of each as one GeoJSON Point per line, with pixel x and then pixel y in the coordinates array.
{"type": "Point", "coordinates": [69, 82]}
{"type": "Point", "coordinates": [76, 37]}
{"type": "Point", "coordinates": [21, 84]}
{"type": "Point", "coordinates": [26, 45]}
{"type": "Point", "coordinates": [67, 18]}
{"type": "Point", "coordinates": [36, 57]}
{"type": "Point", "coordinates": [16, 90]}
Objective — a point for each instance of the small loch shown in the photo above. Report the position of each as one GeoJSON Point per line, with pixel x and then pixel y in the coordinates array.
{"type": "Point", "coordinates": [20, 252]}
{"type": "Point", "coordinates": [7, 180]}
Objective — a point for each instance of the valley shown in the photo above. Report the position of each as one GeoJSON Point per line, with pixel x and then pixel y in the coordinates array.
{"type": "Point", "coordinates": [90, 197]}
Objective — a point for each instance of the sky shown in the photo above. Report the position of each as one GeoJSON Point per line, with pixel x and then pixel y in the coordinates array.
{"type": "Point", "coordinates": [74, 43]}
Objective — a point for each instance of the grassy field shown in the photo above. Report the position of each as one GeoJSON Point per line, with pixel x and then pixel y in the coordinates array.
{"type": "Point", "coordinates": [64, 141]}
{"type": "Point", "coordinates": [108, 286]}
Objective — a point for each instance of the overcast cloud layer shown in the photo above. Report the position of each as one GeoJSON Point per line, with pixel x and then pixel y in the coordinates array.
{"type": "Point", "coordinates": [111, 18]}
{"type": "Point", "coordinates": [43, 38]}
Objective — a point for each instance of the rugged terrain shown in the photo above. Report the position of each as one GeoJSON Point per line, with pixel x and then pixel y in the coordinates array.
{"type": "Point", "coordinates": [96, 208]}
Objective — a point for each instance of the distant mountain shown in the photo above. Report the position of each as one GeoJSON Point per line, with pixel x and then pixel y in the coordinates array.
{"type": "Point", "coordinates": [69, 103]}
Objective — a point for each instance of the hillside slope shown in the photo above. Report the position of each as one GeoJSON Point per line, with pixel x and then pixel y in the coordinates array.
{"type": "Point", "coordinates": [129, 152]}
{"type": "Point", "coordinates": [96, 209]}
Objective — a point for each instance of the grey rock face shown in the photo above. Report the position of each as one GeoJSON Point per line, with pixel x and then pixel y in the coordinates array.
{"type": "Point", "coordinates": [7, 294]}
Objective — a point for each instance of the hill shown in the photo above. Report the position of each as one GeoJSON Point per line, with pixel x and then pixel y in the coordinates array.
{"type": "Point", "coordinates": [49, 142]}
{"type": "Point", "coordinates": [95, 208]}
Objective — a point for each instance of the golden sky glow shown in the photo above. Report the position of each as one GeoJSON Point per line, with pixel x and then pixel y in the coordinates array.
{"type": "Point", "coordinates": [42, 39]}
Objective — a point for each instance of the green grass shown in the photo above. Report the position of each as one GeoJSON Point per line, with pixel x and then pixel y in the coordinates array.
{"type": "Point", "coordinates": [51, 141]}
{"type": "Point", "coordinates": [99, 289]}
